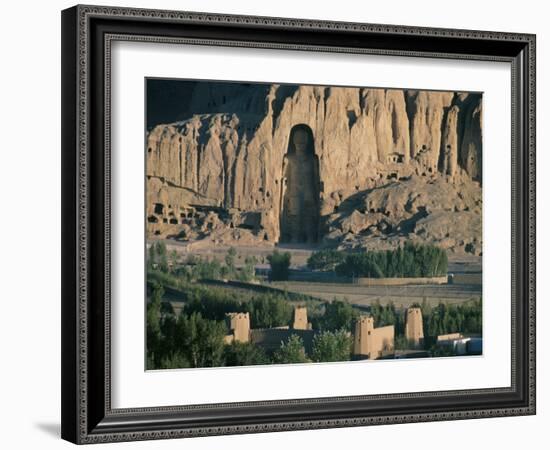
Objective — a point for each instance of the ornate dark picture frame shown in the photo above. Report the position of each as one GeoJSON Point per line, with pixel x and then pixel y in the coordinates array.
{"type": "Point", "coordinates": [87, 34]}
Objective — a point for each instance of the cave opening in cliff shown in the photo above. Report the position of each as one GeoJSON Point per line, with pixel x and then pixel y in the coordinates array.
{"type": "Point", "coordinates": [299, 218]}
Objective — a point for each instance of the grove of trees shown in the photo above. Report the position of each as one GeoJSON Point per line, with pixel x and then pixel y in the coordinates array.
{"type": "Point", "coordinates": [410, 260]}
{"type": "Point", "coordinates": [161, 264]}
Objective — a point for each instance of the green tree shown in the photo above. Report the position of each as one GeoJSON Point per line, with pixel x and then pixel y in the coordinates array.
{"type": "Point", "coordinates": [154, 335]}
{"type": "Point", "coordinates": [162, 256]}
{"type": "Point", "coordinates": [230, 259]}
{"type": "Point", "coordinates": [268, 311]}
{"type": "Point", "coordinates": [325, 260]}
{"type": "Point", "coordinates": [387, 315]}
{"type": "Point", "coordinates": [338, 315]}
{"type": "Point", "coordinates": [164, 278]}
{"type": "Point", "coordinates": [426, 309]}
{"type": "Point", "coordinates": [207, 270]}
{"type": "Point", "coordinates": [331, 346]}
{"type": "Point", "coordinates": [444, 319]}
{"type": "Point", "coordinates": [362, 265]}
{"type": "Point", "coordinates": [472, 314]}
{"type": "Point", "coordinates": [173, 259]}
{"type": "Point", "coordinates": [174, 361]}
{"type": "Point", "coordinates": [248, 271]}
{"type": "Point", "coordinates": [200, 340]}
{"type": "Point", "coordinates": [244, 354]}
{"type": "Point", "coordinates": [152, 258]}
{"type": "Point", "coordinates": [211, 303]}
{"type": "Point", "coordinates": [280, 263]}
{"type": "Point", "coordinates": [291, 351]}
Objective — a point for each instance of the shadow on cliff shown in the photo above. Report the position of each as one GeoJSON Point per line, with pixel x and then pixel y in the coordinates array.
{"type": "Point", "coordinates": [357, 201]}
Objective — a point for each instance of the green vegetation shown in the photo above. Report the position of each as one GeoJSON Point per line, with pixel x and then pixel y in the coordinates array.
{"type": "Point", "coordinates": [411, 260]}
{"type": "Point", "coordinates": [268, 311]}
{"type": "Point", "coordinates": [325, 260]}
{"type": "Point", "coordinates": [230, 259]}
{"type": "Point", "coordinates": [402, 343]}
{"type": "Point", "coordinates": [247, 273]}
{"type": "Point", "coordinates": [339, 315]}
{"type": "Point", "coordinates": [388, 315]}
{"type": "Point", "coordinates": [174, 361]}
{"type": "Point", "coordinates": [158, 258]}
{"type": "Point", "coordinates": [245, 354]}
{"type": "Point", "coordinates": [206, 270]}
{"type": "Point", "coordinates": [279, 262]}
{"type": "Point", "coordinates": [291, 351]}
{"type": "Point", "coordinates": [154, 323]}
{"type": "Point", "coordinates": [445, 319]}
{"type": "Point", "coordinates": [165, 279]}
{"type": "Point", "coordinates": [187, 341]}
{"type": "Point", "coordinates": [166, 267]}
{"type": "Point", "coordinates": [212, 303]}
{"type": "Point", "coordinates": [195, 337]}
{"type": "Point", "coordinates": [200, 341]}
{"type": "Point", "coordinates": [332, 346]}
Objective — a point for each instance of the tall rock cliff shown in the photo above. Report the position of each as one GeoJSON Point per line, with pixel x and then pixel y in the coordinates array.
{"type": "Point", "coordinates": [230, 153]}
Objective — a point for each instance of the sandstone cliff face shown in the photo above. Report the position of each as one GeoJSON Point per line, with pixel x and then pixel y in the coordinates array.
{"type": "Point", "coordinates": [231, 153]}
{"type": "Point", "coordinates": [430, 210]}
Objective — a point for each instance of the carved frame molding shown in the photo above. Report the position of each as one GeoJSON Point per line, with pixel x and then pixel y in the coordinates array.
{"type": "Point", "coordinates": [87, 35]}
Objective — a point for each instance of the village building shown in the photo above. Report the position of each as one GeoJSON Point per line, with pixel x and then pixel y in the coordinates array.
{"type": "Point", "coordinates": [370, 342]}
{"type": "Point", "coordinates": [414, 329]}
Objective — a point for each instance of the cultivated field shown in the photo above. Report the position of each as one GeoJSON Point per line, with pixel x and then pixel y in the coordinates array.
{"type": "Point", "coordinates": [399, 295]}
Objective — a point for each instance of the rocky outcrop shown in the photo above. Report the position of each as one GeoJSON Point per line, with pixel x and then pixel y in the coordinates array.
{"type": "Point", "coordinates": [441, 210]}
{"type": "Point", "coordinates": [230, 153]}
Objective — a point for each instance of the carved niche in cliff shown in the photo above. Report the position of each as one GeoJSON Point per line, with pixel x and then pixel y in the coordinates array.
{"type": "Point", "coordinates": [299, 218]}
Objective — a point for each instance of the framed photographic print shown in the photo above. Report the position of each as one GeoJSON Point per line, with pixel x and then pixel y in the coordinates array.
{"type": "Point", "coordinates": [280, 224]}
